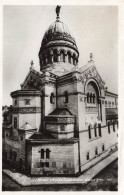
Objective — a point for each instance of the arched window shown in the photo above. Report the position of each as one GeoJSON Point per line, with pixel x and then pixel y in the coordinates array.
{"type": "Point", "coordinates": [95, 130]}
{"type": "Point", "coordinates": [42, 153]}
{"type": "Point", "coordinates": [15, 102]}
{"type": "Point", "coordinates": [113, 126]}
{"type": "Point", "coordinates": [66, 97]}
{"type": "Point", "coordinates": [52, 98]}
{"type": "Point", "coordinates": [69, 57]}
{"type": "Point", "coordinates": [48, 57]}
{"type": "Point", "coordinates": [87, 97]}
{"type": "Point", "coordinates": [109, 127]}
{"type": "Point", "coordinates": [96, 151]}
{"type": "Point", "coordinates": [55, 56]}
{"type": "Point", "coordinates": [99, 127]}
{"type": "Point", "coordinates": [94, 98]}
{"type": "Point", "coordinates": [62, 56]}
{"type": "Point", "coordinates": [88, 156]}
{"type": "Point", "coordinates": [15, 122]}
{"type": "Point", "coordinates": [90, 97]}
{"type": "Point", "coordinates": [89, 131]}
{"type": "Point", "coordinates": [103, 147]}
{"type": "Point", "coordinates": [74, 59]}
{"type": "Point", "coordinates": [47, 153]}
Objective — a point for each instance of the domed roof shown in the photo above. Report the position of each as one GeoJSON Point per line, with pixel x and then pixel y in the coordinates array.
{"type": "Point", "coordinates": [58, 31]}
{"type": "Point", "coordinates": [58, 52]}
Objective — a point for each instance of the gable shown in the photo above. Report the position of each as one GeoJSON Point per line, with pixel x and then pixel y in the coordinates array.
{"type": "Point", "coordinates": [91, 72]}
{"type": "Point", "coordinates": [32, 81]}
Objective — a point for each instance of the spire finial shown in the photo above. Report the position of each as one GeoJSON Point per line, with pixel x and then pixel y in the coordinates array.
{"type": "Point", "coordinates": [32, 63]}
{"type": "Point", "coordinates": [91, 58]}
{"type": "Point", "coordinates": [58, 7]}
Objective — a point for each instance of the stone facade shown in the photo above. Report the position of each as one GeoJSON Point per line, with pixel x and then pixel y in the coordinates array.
{"type": "Point", "coordinates": [63, 119]}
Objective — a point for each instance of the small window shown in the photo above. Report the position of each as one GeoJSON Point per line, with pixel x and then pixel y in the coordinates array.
{"type": "Point", "coordinates": [27, 101]}
{"type": "Point", "coordinates": [62, 56]}
{"type": "Point", "coordinates": [99, 127]}
{"type": "Point", "coordinates": [55, 56]}
{"type": "Point", "coordinates": [6, 134]}
{"type": "Point", "coordinates": [42, 153]}
{"type": "Point", "coordinates": [47, 164]}
{"type": "Point", "coordinates": [88, 156]}
{"type": "Point", "coordinates": [69, 57]}
{"type": "Point", "coordinates": [93, 98]}
{"type": "Point", "coordinates": [96, 151]}
{"type": "Point", "coordinates": [15, 102]}
{"type": "Point", "coordinates": [89, 131]}
{"type": "Point", "coordinates": [52, 98]}
{"type": "Point", "coordinates": [66, 97]}
{"type": "Point", "coordinates": [88, 98]}
{"type": "Point", "coordinates": [109, 127]}
{"type": "Point", "coordinates": [47, 153]}
{"type": "Point", "coordinates": [103, 147]}
{"type": "Point", "coordinates": [49, 57]}
{"type": "Point", "coordinates": [95, 130]}
{"type": "Point", "coordinates": [113, 126]}
{"type": "Point", "coordinates": [15, 123]}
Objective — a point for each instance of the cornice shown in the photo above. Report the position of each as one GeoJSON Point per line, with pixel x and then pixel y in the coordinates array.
{"type": "Point", "coordinates": [25, 93]}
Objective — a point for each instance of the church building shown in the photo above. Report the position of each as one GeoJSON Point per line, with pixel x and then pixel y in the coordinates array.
{"type": "Point", "coordinates": [64, 120]}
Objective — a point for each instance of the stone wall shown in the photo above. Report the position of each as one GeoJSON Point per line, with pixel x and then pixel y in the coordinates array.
{"type": "Point", "coordinates": [63, 159]}
{"type": "Point", "coordinates": [109, 140]}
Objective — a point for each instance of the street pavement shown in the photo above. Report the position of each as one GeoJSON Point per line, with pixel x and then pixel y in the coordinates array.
{"type": "Point", "coordinates": [86, 177]}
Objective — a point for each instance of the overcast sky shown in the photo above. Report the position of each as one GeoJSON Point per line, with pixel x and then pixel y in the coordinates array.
{"type": "Point", "coordinates": [95, 29]}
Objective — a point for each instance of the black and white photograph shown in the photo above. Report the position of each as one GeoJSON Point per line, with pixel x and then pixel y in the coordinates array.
{"type": "Point", "coordinates": [60, 98]}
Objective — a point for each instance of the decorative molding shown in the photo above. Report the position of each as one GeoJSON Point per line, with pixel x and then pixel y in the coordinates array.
{"type": "Point", "coordinates": [92, 73]}
{"type": "Point", "coordinates": [59, 120]}
{"type": "Point", "coordinates": [25, 110]}
{"type": "Point", "coordinates": [92, 109]}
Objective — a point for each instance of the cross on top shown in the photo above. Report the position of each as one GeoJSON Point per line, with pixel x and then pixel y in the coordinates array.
{"type": "Point", "coordinates": [91, 56]}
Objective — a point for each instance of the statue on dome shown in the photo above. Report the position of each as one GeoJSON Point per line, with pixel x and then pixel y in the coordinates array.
{"type": "Point", "coordinates": [58, 10]}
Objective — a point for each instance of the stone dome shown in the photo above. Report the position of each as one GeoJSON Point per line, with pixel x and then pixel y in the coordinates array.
{"type": "Point", "coordinates": [57, 31]}
{"type": "Point", "coordinates": [58, 47]}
